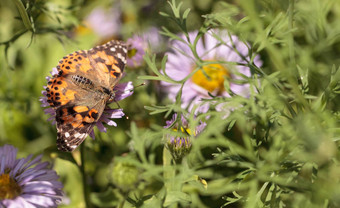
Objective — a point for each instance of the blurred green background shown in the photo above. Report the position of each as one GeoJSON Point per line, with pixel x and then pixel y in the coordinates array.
{"type": "Point", "coordinates": [299, 43]}
{"type": "Point", "coordinates": [28, 55]}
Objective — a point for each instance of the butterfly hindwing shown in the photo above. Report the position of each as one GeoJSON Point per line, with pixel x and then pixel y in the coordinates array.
{"type": "Point", "coordinates": [74, 123]}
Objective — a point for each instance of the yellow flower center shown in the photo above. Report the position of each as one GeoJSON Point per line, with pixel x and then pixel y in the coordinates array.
{"type": "Point", "coordinates": [9, 189]}
{"type": "Point", "coordinates": [184, 130]}
{"type": "Point", "coordinates": [132, 52]}
{"type": "Point", "coordinates": [83, 29]}
{"type": "Point", "coordinates": [211, 77]}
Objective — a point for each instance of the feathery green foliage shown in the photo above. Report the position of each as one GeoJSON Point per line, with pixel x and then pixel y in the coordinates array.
{"type": "Point", "coordinates": [279, 147]}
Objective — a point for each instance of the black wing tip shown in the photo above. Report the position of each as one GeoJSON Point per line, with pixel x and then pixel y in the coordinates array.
{"type": "Point", "coordinates": [68, 143]}
{"type": "Point", "coordinates": [116, 42]}
{"type": "Point", "coordinates": [65, 148]}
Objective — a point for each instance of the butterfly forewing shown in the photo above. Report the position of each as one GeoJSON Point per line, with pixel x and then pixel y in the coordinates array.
{"type": "Point", "coordinates": [110, 58]}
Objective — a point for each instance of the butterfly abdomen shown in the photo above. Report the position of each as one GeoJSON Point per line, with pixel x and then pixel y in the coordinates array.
{"type": "Point", "coordinates": [82, 82]}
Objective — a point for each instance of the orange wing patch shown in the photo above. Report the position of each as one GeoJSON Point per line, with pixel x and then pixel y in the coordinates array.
{"type": "Point", "coordinates": [56, 92]}
{"type": "Point", "coordinates": [92, 116]}
{"type": "Point", "coordinates": [77, 116]}
{"type": "Point", "coordinates": [74, 62]}
{"type": "Point", "coordinates": [110, 57]}
{"type": "Point", "coordinates": [80, 109]}
{"type": "Point", "coordinates": [107, 58]}
{"type": "Point", "coordinates": [74, 120]}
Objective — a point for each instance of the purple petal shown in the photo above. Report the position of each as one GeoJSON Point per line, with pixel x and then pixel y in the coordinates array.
{"type": "Point", "coordinates": [100, 126]}
{"type": "Point", "coordinates": [39, 200]}
{"type": "Point", "coordinates": [138, 44]}
{"type": "Point", "coordinates": [181, 63]}
{"type": "Point", "coordinates": [105, 23]}
{"type": "Point", "coordinates": [113, 113]}
{"type": "Point", "coordinates": [123, 90]}
{"type": "Point", "coordinates": [39, 184]}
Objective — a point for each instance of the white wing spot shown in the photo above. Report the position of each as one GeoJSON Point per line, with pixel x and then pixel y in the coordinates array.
{"type": "Point", "coordinates": [112, 49]}
{"type": "Point", "coordinates": [67, 135]}
{"type": "Point", "coordinates": [73, 146]}
{"type": "Point", "coordinates": [78, 135]}
{"type": "Point", "coordinates": [119, 55]}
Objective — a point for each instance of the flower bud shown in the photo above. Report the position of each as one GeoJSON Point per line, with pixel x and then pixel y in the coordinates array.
{"type": "Point", "coordinates": [178, 141]}
{"type": "Point", "coordinates": [125, 175]}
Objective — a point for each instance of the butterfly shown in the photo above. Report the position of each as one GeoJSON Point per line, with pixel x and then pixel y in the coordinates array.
{"type": "Point", "coordinates": [81, 89]}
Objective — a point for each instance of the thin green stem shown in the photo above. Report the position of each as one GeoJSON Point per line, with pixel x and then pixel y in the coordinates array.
{"type": "Point", "coordinates": [86, 190]}
{"type": "Point", "coordinates": [169, 172]}
{"type": "Point", "coordinates": [169, 176]}
{"type": "Point", "coordinates": [121, 204]}
{"type": "Point", "coordinates": [291, 26]}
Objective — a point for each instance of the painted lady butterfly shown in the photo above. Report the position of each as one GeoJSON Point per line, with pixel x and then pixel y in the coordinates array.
{"type": "Point", "coordinates": [82, 88]}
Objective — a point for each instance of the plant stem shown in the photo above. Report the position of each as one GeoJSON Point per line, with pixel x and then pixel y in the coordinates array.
{"type": "Point", "coordinates": [83, 173]}
{"type": "Point", "coordinates": [121, 204]}
{"type": "Point", "coordinates": [169, 177]}
{"type": "Point", "coordinates": [169, 172]}
{"type": "Point", "coordinates": [291, 26]}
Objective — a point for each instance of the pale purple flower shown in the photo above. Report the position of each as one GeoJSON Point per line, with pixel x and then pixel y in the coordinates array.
{"type": "Point", "coordinates": [154, 40]}
{"type": "Point", "coordinates": [136, 50]}
{"type": "Point", "coordinates": [27, 182]}
{"type": "Point", "coordinates": [43, 99]}
{"type": "Point", "coordinates": [121, 90]}
{"type": "Point", "coordinates": [105, 22]}
{"type": "Point", "coordinates": [179, 140]}
{"type": "Point", "coordinates": [225, 63]}
{"type": "Point", "coordinates": [149, 40]}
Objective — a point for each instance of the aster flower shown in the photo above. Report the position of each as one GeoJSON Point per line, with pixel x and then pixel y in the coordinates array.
{"type": "Point", "coordinates": [43, 99]}
{"type": "Point", "coordinates": [219, 57]}
{"type": "Point", "coordinates": [154, 40]}
{"type": "Point", "coordinates": [179, 141]}
{"type": "Point", "coordinates": [27, 182]}
{"type": "Point", "coordinates": [122, 91]}
{"type": "Point", "coordinates": [136, 50]}
{"type": "Point", "coordinates": [149, 40]}
{"type": "Point", "coordinates": [104, 22]}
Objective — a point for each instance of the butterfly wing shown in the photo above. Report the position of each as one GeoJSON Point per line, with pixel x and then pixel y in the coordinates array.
{"type": "Point", "coordinates": [80, 90]}
{"type": "Point", "coordinates": [78, 107]}
{"type": "Point", "coordinates": [109, 59]}
{"type": "Point", "coordinates": [74, 123]}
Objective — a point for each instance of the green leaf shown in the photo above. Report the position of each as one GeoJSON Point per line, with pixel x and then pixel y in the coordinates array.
{"type": "Point", "coordinates": [156, 109]}
{"type": "Point", "coordinates": [24, 16]}
{"type": "Point", "coordinates": [304, 79]}
{"type": "Point", "coordinates": [175, 9]}
{"type": "Point", "coordinates": [186, 13]}
{"type": "Point", "coordinates": [174, 197]}
{"type": "Point", "coordinates": [108, 198]}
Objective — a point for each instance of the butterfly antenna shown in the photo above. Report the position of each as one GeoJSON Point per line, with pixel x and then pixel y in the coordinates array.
{"type": "Point", "coordinates": [118, 105]}
{"type": "Point", "coordinates": [142, 84]}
